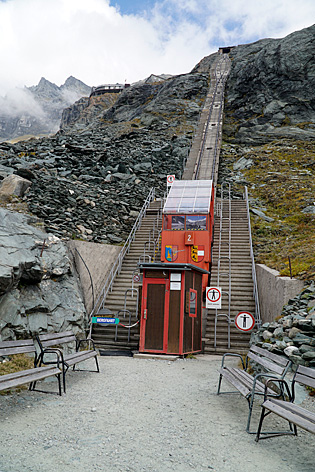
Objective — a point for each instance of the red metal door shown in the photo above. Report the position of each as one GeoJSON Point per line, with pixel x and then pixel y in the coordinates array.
{"type": "Point", "coordinates": [154, 316]}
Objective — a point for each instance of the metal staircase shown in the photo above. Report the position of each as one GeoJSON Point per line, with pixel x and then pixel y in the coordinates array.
{"type": "Point", "coordinates": [240, 286]}
{"type": "Point", "coordinates": [125, 294]}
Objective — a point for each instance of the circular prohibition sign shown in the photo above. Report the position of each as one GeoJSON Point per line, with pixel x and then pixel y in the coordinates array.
{"type": "Point", "coordinates": [215, 294]}
{"type": "Point", "coordinates": [244, 321]}
{"type": "Point", "coordinates": [170, 179]}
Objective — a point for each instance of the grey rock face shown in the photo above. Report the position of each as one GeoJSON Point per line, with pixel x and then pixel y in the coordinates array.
{"type": "Point", "coordinates": [271, 89]}
{"type": "Point", "coordinates": [38, 289]}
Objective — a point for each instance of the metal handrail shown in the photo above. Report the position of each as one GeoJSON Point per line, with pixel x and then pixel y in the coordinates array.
{"type": "Point", "coordinates": [255, 290]}
{"type": "Point", "coordinates": [125, 307]}
{"type": "Point", "coordinates": [228, 257]}
{"type": "Point", "coordinates": [116, 267]}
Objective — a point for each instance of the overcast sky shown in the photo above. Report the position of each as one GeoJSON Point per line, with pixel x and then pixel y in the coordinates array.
{"type": "Point", "coordinates": [109, 41]}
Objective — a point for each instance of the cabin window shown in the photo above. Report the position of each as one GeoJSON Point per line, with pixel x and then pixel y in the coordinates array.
{"type": "Point", "coordinates": [196, 222]}
{"type": "Point", "coordinates": [178, 222]}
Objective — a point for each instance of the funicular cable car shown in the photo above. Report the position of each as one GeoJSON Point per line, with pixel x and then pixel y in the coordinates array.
{"type": "Point", "coordinates": [188, 220]}
{"type": "Point", "coordinates": [172, 291]}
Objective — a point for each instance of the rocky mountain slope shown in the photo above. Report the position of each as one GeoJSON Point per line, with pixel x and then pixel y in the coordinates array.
{"type": "Point", "coordinates": [90, 179]}
{"type": "Point", "coordinates": [37, 110]}
{"type": "Point", "coordinates": [270, 92]}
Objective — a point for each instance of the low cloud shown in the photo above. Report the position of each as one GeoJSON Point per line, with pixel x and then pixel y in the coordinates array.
{"type": "Point", "coordinates": [19, 102]}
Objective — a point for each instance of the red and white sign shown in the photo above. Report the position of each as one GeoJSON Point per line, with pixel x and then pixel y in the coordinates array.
{"type": "Point", "coordinates": [213, 297]}
{"type": "Point", "coordinates": [170, 179]}
{"type": "Point", "coordinates": [244, 321]}
{"type": "Point", "coordinates": [136, 278]}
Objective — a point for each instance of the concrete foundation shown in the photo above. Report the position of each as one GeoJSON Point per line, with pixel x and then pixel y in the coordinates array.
{"type": "Point", "coordinates": [99, 259]}
{"type": "Point", "coordinates": [274, 291]}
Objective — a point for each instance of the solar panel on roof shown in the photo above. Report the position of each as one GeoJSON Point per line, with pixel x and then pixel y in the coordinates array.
{"type": "Point", "coordinates": [189, 196]}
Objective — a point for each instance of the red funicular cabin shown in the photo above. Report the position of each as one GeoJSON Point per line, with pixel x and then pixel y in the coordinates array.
{"type": "Point", "coordinates": [188, 218]}
{"type": "Point", "coordinates": [171, 308]}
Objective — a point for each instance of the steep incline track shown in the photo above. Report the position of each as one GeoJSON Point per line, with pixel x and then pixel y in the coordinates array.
{"type": "Point", "coordinates": [202, 164]}
{"type": "Point", "coordinates": [203, 160]}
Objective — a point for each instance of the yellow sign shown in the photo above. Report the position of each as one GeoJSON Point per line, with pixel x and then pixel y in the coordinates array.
{"type": "Point", "coordinates": [194, 253]}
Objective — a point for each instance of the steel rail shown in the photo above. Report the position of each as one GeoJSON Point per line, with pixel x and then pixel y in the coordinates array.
{"type": "Point", "coordinates": [255, 289]}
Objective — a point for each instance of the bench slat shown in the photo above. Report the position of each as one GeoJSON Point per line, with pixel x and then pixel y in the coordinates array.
{"type": "Point", "coordinates": [296, 409]}
{"type": "Point", "coordinates": [309, 381]}
{"type": "Point", "coordinates": [235, 382]}
{"type": "Point", "coordinates": [296, 417]}
{"type": "Point", "coordinates": [56, 342]}
{"type": "Point", "coordinates": [243, 377]}
{"type": "Point", "coordinates": [308, 371]}
{"type": "Point", "coordinates": [16, 350]}
{"type": "Point", "coordinates": [275, 357]}
{"type": "Point", "coordinates": [249, 381]}
{"type": "Point", "coordinates": [22, 346]}
{"type": "Point", "coordinates": [18, 343]}
{"type": "Point", "coordinates": [27, 376]}
{"type": "Point", "coordinates": [49, 336]}
{"type": "Point", "coordinates": [269, 365]}
{"type": "Point", "coordinates": [79, 356]}
{"type": "Point", "coordinates": [259, 386]}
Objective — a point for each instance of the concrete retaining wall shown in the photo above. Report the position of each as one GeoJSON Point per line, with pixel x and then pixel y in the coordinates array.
{"type": "Point", "coordinates": [99, 258]}
{"type": "Point", "coordinates": [274, 291]}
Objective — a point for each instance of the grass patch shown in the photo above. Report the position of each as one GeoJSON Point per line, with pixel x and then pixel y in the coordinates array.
{"type": "Point", "coordinates": [16, 363]}
{"type": "Point", "coordinates": [281, 182]}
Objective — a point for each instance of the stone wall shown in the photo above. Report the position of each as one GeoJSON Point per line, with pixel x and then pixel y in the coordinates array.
{"type": "Point", "coordinates": [98, 260]}
{"type": "Point", "coordinates": [274, 291]}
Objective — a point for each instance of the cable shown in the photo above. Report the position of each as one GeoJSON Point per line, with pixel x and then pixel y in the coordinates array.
{"type": "Point", "coordinates": [131, 326]}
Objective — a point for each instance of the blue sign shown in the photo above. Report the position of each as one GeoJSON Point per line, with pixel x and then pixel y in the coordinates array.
{"type": "Point", "coordinates": [168, 253]}
{"type": "Point", "coordinates": [96, 319]}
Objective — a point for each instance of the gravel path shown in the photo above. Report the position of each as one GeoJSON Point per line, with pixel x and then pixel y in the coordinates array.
{"type": "Point", "coordinates": [141, 415]}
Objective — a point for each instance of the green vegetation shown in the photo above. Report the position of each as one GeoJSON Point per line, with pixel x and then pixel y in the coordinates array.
{"type": "Point", "coordinates": [15, 364]}
{"type": "Point", "coordinates": [281, 183]}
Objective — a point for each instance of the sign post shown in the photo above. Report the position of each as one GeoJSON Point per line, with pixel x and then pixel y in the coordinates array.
{"type": "Point", "coordinates": [213, 297]}
{"type": "Point", "coordinates": [170, 179]}
{"type": "Point", "coordinates": [244, 321]}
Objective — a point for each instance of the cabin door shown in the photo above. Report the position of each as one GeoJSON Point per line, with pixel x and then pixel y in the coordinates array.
{"type": "Point", "coordinates": [155, 316]}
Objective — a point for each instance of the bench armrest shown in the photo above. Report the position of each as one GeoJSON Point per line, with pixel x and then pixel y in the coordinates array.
{"type": "Point", "coordinates": [81, 341]}
{"type": "Point", "coordinates": [231, 354]}
{"type": "Point", "coordinates": [281, 383]}
{"type": "Point", "coordinates": [56, 351]}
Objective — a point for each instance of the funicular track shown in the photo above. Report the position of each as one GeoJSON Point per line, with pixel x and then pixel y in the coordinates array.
{"type": "Point", "coordinates": [231, 256]}
{"type": "Point", "coordinates": [202, 164]}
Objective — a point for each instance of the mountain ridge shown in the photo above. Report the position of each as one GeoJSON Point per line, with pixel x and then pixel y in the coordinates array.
{"type": "Point", "coordinates": [37, 110]}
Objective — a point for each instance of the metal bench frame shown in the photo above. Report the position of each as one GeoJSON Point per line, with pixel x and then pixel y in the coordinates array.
{"type": "Point", "coordinates": [31, 376]}
{"type": "Point", "coordinates": [51, 344]}
{"type": "Point", "coordinates": [247, 385]}
{"type": "Point", "coordinates": [287, 409]}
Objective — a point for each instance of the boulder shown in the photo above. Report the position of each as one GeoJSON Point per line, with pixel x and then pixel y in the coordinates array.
{"type": "Point", "coordinates": [38, 289]}
{"type": "Point", "coordinates": [13, 185]}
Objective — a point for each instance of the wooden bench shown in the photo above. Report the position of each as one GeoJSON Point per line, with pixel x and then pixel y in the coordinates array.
{"type": "Point", "coordinates": [52, 344]}
{"type": "Point", "coordinates": [274, 366]}
{"type": "Point", "coordinates": [287, 409]}
{"type": "Point", "coordinates": [31, 376]}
